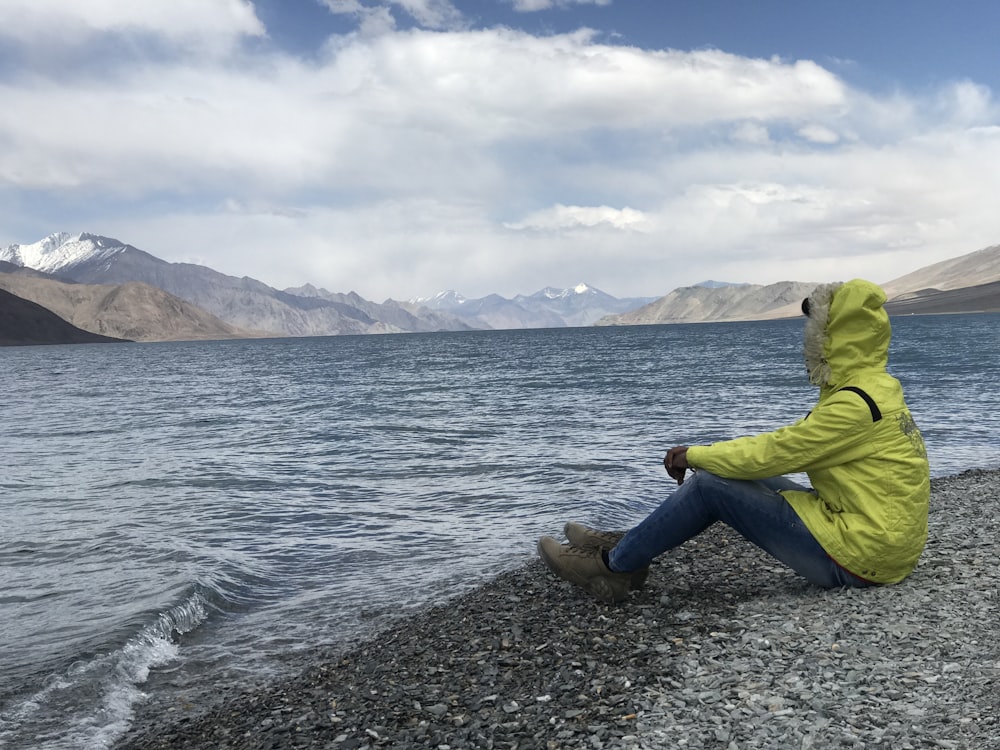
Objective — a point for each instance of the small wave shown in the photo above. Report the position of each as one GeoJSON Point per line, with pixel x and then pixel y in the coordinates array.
{"type": "Point", "coordinates": [90, 705]}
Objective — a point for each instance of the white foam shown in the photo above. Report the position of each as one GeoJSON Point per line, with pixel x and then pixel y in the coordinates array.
{"type": "Point", "coordinates": [61, 717]}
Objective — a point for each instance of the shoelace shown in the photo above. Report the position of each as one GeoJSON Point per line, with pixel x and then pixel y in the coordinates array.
{"type": "Point", "coordinates": [606, 538]}
{"type": "Point", "coordinates": [569, 549]}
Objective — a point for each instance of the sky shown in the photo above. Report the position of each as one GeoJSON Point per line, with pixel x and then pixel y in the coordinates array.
{"type": "Point", "coordinates": [400, 148]}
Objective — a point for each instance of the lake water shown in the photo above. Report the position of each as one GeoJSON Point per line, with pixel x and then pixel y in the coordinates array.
{"type": "Point", "coordinates": [179, 516]}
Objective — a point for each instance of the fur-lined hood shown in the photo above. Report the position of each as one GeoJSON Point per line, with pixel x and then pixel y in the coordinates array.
{"type": "Point", "coordinates": [847, 330]}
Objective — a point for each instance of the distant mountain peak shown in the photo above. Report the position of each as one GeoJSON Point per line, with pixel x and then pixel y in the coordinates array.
{"type": "Point", "coordinates": [306, 290]}
{"type": "Point", "coordinates": [447, 298]}
{"type": "Point", "coordinates": [56, 239]}
{"type": "Point", "coordinates": [550, 292]}
{"type": "Point", "coordinates": [710, 284]}
{"type": "Point", "coordinates": [60, 250]}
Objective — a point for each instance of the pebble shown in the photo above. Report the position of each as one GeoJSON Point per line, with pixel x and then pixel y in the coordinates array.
{"type": "Point", "coordinates": [722, 649]}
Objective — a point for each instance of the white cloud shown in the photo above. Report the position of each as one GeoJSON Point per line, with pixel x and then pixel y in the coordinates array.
{"type": "Point", "coordinates": [374, 107]}
{"type": "Point", "coordinates": [818, 134]}
{"type": "Point", "coordinates": [967, 103]}
{"type": "Point", "coordinates": [68, 20]}
{"type": "Point", "coordinates": [433, 14]}
{"type": "Point", "coordinates": [530, 6]}
{"type": "Point", "coordinates": [752, 133]}
{"type": "Point", "coordinates": [560, 217]}
{"type": "Point", "coordinates": [430, 14]}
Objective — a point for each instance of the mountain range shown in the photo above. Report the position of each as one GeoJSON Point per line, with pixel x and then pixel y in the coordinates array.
{"type": "Point", "coordinates": [245, 303]}
{"type": "Point", "coordinates": [215, 305]}
{"type": "Point", "coordinates": [716, 303]}
{"type": "Point", "coordinates": [110, 288]}
{"type": "Point", "coordinates": [582, 305]}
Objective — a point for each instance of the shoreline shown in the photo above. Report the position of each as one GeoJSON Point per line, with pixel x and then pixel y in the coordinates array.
{"type": "Point", "coordinates": [724, 647]}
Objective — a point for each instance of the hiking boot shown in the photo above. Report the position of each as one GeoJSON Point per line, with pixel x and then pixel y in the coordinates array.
{"type": "Point", "coordinates": [584, 536]}
{"type": "Point", "coordinates": [585, 568]}
{"type": "Point", "coordinates": [588, 538]}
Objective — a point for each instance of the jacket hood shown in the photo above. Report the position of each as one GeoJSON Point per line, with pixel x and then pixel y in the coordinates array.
{"type": "Point", "coordinates": [847, 330]}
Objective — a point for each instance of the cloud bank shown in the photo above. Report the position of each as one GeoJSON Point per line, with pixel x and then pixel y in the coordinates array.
{"type": "Point", "coordinates": [398, 162]}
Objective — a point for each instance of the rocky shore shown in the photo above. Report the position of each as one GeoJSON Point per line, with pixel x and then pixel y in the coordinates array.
{"type": "Point", "coordinates": [722, 649]}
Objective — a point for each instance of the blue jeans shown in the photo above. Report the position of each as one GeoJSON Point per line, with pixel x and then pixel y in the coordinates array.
{"type": "Point", "coordinates": [756, 509]}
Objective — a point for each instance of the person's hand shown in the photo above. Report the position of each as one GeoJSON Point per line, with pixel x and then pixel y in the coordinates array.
{"type": "Point", "coordinates": [676, 462]}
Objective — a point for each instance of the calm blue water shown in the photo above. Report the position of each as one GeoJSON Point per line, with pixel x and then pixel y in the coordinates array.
{"type": "Point", "coordinates": [174, 517]}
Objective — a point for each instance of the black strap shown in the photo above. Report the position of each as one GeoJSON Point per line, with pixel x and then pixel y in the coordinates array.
{"type": "Point", "coordinates": [876, 414]}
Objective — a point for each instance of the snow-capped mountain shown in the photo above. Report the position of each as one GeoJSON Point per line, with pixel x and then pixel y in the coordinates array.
{"type": "Point", "coordinates": [966, 284]}
{"type": "Point", "coordinates": [441, 300]}
{"type": "Point", "coordinates": [242, 302]}
{"type": "Point", "coordinates": [581, 305]}
{"type": "Point", "coordinates": [304, 311]}
{"type": "Point", "coordinates": [550, 307]}
{"type": "Point", "coordinates": [60, 252]}
{"type": "Point", "coordinates": [553, 293]}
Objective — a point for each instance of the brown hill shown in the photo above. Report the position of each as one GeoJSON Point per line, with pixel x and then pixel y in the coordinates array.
{"type": "Point", "coordinates": [971, 269]}
{"type": "Point", "coordinates": [25, 323]}
{"type": "Point", "coordinates": [968, 283]}
{"type": "Point", "coordinates": [972, 299]}
{"type": "Point", "coordinates": [135, 311]}
{"type": "Point", "coordinates": [695, 304]}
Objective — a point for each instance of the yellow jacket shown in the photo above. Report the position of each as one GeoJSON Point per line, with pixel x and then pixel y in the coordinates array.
{"type": "Point", "coordinates": [859, 445]}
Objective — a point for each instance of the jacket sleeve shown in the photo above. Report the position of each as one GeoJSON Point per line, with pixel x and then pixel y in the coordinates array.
{"type": "Point", "coordinates": [837, 431]}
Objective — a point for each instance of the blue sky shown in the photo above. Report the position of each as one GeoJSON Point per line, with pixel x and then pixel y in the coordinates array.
{"type": "Point", "coordinates": [401, 148]}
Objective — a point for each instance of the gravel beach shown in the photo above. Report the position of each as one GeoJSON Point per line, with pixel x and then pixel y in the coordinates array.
{"type": "Point", "coordinates": [723, 648]}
